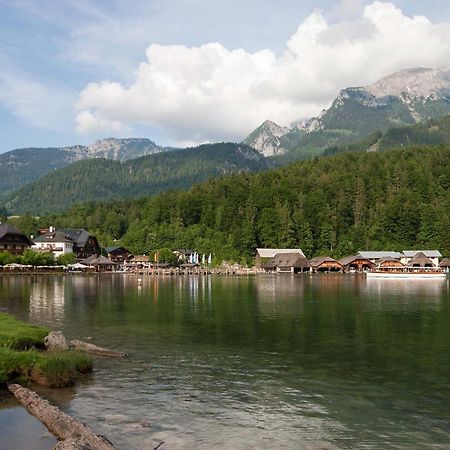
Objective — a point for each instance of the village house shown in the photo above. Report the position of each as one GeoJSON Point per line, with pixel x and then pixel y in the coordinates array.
{"type": "Point", "coordinates": [85, 243]}
{"type": "Point", "coordinates": [118, 254]}
{"type": "Point", "coordinates": [434, 256]}
{"type": "Point", "coordinates": [60, 241]}
{"type": "Point", "coordinates": [13, 240]}
{"type": "Point", "coordinates": [288, 262]}
{"type": "Point", "coordinates": [325, 264]}
{"type": "Point", "coordinates": [138, 262]}
{"type": "Point", "coordinates": [53, 241]}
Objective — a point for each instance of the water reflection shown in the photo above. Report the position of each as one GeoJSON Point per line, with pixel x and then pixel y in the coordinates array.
{"type": "Point", "coordinates": [47, 298]}
{"type": "Point", "coordinates": [255, 362]}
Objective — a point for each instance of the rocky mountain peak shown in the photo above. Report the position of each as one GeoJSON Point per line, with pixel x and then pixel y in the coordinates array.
{"type": "Point", "coordinates": [416, 83]}
{"type": "Point", "coordinates": [266, 138]}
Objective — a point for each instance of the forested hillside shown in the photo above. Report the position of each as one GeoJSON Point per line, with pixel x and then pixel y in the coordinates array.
{"type": "Point", "coordinates": [106, 179]}
{"type": "Point", "coordinates": [23, 165]}
{"type": "Point", "coordinates": [387, 200]}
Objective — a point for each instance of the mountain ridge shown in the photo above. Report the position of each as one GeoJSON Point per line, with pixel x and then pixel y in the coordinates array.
{"type": "Point", "coordinates": [406, 97]}
{"type": "Point", "coordinates": [107, 179]}
{"type": "Point", "coordinates": [24, 165]}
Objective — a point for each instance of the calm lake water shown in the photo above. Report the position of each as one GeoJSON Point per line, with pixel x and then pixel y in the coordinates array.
{"type": "Point", "coordinates": [285, 362]}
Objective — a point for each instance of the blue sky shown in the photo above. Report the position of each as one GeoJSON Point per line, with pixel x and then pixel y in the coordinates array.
{"type": "Point", "coordinates": [74, 71]}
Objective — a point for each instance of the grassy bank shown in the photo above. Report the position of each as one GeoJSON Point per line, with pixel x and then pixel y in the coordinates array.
{"type": "Point", "coordinates": [21, 361]}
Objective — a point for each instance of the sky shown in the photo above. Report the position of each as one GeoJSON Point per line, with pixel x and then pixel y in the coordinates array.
{"type": "Point", "coordinates": [183, 72]}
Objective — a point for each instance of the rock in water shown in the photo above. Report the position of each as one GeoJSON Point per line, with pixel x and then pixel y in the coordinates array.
{"type": "Point", "coordinates": [55, 341]}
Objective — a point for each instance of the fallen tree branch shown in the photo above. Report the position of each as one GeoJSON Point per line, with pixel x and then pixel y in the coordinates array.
{"type": "Point", "coordinates": [64, 427]}
{"type": "Point", "coordinates": [95, 350]}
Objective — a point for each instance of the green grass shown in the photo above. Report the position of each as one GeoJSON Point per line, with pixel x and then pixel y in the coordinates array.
{"type": "Point", "coordinates": [48, 369]}
{"type": "Point", "coordinates": [20, 335]}
{"type": "Point", "coordinates": [20, 361]}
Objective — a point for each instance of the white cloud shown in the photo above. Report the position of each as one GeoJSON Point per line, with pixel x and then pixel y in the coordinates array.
{"type": "Point", "coordinates": [213, 93]}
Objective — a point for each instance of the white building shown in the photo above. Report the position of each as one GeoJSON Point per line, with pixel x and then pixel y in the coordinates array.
{"type": "Point", "coordinates": [55, 242]}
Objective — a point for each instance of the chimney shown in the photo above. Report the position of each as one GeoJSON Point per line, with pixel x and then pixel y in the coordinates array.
{"type": "Point", "coordinates": [51, 229]}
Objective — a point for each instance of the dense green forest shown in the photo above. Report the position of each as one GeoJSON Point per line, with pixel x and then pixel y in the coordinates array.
{"type": "Point", "coordinates": [107, 179]}
{"type": "Point", "coordinates": [338, 205]}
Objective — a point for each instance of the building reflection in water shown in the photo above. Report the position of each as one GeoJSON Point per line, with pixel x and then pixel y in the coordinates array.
{"type": "Point", "coordinates": [47, 298]}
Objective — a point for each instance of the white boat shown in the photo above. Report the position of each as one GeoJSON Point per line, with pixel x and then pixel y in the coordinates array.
{"type": "Point", "coordinates": [409, 274]}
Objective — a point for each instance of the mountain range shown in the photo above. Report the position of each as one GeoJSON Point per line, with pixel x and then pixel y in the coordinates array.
{"type": "Point", "coordinates": [21, 166]}
{"type": "Point", "coordinates": [411, 107]}
{"type": "Point", "coordinates": [401, 99]}
{"type": "Point", "coordinates": [108, 179]}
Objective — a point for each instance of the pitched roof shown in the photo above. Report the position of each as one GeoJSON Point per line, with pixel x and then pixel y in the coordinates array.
{"type": "Point", "coordinates": [445, 263]}
{"type": "Point", "coordinates": [56, 236]}
{"type": "Point", "coordinates": [350, 259]}
{"type": "Point", "coordinates": [420, 259]}
{"type": "Point", "coordinates": [113, 249]}
{"type": "Point", "coordinates": [5, 229]}
{"type": "Point", "coordinates": [318, 260]}
{"type": "Point", "coordinates": [427, 253]}
{"type": "Point", "coordinates": [388, 259]}
{"type": "Point", "coordinates": [89, 260]}
{"type": "Point", "coordinates": [102, 261]}
{"type": "Point", "coordinates": [271, 252]}
{"type": "Point", "coordinates": [380, 254]}
{"type": "Point", "coordinates": [78, 235]}
{"type": "Point", "coordinates": [140, 258]}
{"type": "Point", "coordinates": [295, 260]}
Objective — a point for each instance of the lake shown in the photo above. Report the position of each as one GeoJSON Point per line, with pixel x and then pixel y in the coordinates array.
{"type": "Point", "coordinates": [258, 362]}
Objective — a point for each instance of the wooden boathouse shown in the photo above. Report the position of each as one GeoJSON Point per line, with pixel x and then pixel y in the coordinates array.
{"type": "Point", "coordinates": [325, 264]}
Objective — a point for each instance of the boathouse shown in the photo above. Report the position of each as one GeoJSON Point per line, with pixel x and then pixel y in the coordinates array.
{"type": "Point", "coordinates": [421, 260]}
{"type": "Point", "coordinates": [288, 262]}
{"type": "Point", "coordinates": [375, 256]}
{"type": "Point", "coordinates": [445, 264]}
{"type": "Point", "coordinates": [325, 264]}
{"type": "Point", "coordinates": [264, 255]}
{"type": "Point", "coordinates": [433, 255]}
{"type": "Point", "coordinates": [389, 263]}
{"type": "Point", "coordinates": [356, 264]}
{"type": "Point", "coordinates": [13, 240]}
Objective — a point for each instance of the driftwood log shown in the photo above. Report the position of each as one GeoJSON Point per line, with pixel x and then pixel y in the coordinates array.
{"type": "Point", "coordinates": [94, 350]}
{"type": "Point", "coordinates": [77, 436]}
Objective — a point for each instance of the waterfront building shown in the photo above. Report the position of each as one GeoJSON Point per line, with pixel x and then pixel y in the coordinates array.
{"type": "Point", "coordinates": [434, 256]}
{"type": "Point", "coordinates": [375, 256]}
{"type": "Point", "coordinates": [288, 262]}
{"type": "Point", "coordinates": [325, 264]}
{"type": "Point", "coordinates": [421, 260]}
{"type": "Point", "coordinates": [118, 254]}
{"type": "Point", "coordinates": [53, 241]}
{"type": "Point", "coordinates": [445, 265]}
{"type": "Point", "coordinates": [60, 241]}
{"type": "Point", "coordinates": [356, 264]}
{"type": "Point", "coordinates": [389, 263]}
{"type": "Point", "coordinates": [13, 240]}
{"type": "Point", "coordinates": [263, 255]}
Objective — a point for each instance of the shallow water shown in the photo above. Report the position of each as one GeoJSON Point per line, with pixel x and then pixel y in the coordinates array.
{"type": "Point", "coordinates": [332, 361]}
